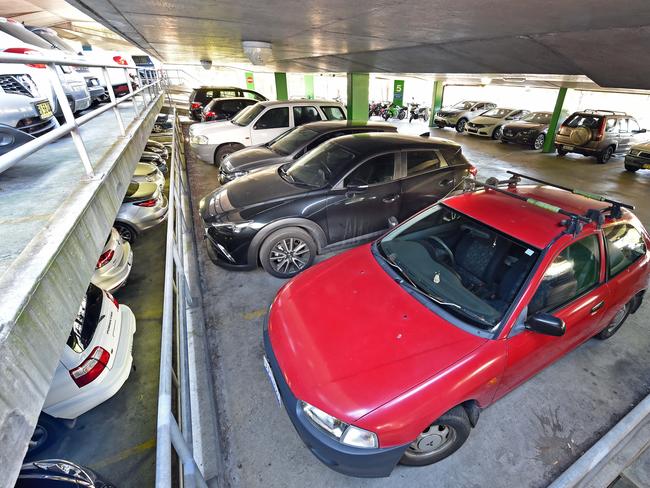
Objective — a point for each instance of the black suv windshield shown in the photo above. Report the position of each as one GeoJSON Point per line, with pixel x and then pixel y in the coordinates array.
{"type": "Point", "coordinates": [247, 115]}
{"type": "Point", "coordinates": [466, 267]}
{"type": "Point", "coordinates": [325, 164]}
{"type": "Point", "coordinates": [538, 118]}
{"type": "Point", "coordinates": [291, 141]}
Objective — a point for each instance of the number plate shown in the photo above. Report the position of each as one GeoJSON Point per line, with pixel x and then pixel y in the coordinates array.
{"type": "Point", "coordinates": [269, 372]}
{"type": "Point", "coordinates": [44, 110]}
{"type": "Point", "coordinates": [567, 148]}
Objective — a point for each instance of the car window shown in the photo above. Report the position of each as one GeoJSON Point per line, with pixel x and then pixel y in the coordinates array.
{"type": "Point", "coordinates": [254, 96]}
{"type": "Point", "coordinates": [247, 115]}
{"type": "Point", "coordinates": [325, 164]}
{"type": "Point", "coordinates": [574, 271]}
{"type": "Point", "coordinates": [418, 162]}
{"type": "Point", "coordinates": [583, 120]}
{"type": "Point", "coordinates": [304, 115]}
{"type": "Point", "coordinates": [325, 137]}
{"type": "Point", "coordinates": [623, 125]}
{"type": "Point", "coordinates": [85, 323]}
{"type": "Point", "coordinates": [377, 170]}
{"type": "Point", "coordinates": [633, 125]}
{"type": "Point", "coordinates": [230, 105]}
{"type": "Point", "coordinates": [611, 124]}
{"type": "Point", "coordinates": [275, 118]}
{"type": "Point", "coordinates": [333, 113]}
{"type": "Point", "coordinates": [227, 93]}
{"type": "Point", "coordinates": [291, 140]}
{"type": "Point", "coordinates": [624, 246]}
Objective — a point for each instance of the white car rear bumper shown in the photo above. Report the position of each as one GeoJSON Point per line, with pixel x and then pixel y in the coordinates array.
{"type": "Point", "coordinates": [114, 278]}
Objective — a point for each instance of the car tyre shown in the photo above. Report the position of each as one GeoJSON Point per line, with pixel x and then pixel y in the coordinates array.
{"type": "Point", "coordinates": [47, 430]}
{"type": "Point", "coordinates": [497, 133]}
{"type": "Point", "coordinates": [440, 126]}
{"type": "Point", "coordinates": [606, 155]}
{"type": "Point", "coordinates": [439, 440]}
{"type": "Point", "coordinates": [632, 169]}
{"type": "Point", "coordinates": [562, 152]}
{"type": "Point", "coordinates": [127, 233]}
{"type": "Point", "coordinates": [287, 252]}
{"type": "Point", "coordinates": [224, 151]}
{"type": "Point", "coordinates": [617, 321]}
{"type": "Point", "coordinates": [460, 125]}
{"type": "Point", "coordinates": [539, 142]}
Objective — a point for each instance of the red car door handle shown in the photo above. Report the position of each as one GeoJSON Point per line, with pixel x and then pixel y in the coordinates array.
{"type": "Point", "coordinates": [390, 198]}
{"type": "Point", "coordinates": [597, 307]}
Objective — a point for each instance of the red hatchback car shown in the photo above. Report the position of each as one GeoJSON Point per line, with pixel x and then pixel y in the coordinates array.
{"type": "Point", "coordinates": [388, 352]}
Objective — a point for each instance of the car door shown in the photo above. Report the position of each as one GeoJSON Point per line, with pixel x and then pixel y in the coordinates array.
{"type": "Point", "coordinates": [426, 177]}
{"type": "Point", "coordinates": [572, 289]}
{"type": "Point", "coordinates": [270, 124]}
{"type": "Point", "coordinates": [363, 201]}
{"type": "Point", "coordinates": [624, 135]}
{"type": "Point", "coordinates": [636, 134]}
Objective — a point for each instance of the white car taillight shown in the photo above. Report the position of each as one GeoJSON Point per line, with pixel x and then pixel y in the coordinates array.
{"type": "Point", "coordinates": [91, 368]}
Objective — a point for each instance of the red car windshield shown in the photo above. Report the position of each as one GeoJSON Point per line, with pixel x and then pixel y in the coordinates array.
{"type": "Point", "coordinates": [462, 265]}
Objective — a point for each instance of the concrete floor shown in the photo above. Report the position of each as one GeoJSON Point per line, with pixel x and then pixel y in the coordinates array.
{"type": "Point", "coordinates": [524, 440]}
{"type": "Point", "coordinates": [118, 438]}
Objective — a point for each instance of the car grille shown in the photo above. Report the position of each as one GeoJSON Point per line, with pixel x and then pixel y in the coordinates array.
{"type": "Point", "coordinates": [35, 126]}
{"type": "Point", "coordinates": [644, 155]}
{"type": "Point", "coordinates": [475, 126]}
{"type": "Point", "coordinates": [12, 85]}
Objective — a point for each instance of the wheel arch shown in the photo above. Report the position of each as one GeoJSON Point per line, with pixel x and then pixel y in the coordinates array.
{"type": "Point", "coordinates": [473, 411]}
{"type": "Point", "coordinates": [230, 143]}
{"type": "Point", "coordinates": [314, 230]}
{"type": "Point", "coordinates": [636, 301]}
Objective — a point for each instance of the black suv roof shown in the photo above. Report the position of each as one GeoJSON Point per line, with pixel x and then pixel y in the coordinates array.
{"type": "Point", "coordinates": [333, 125]}
{"type": "Point", "coordinates": [382, 141]}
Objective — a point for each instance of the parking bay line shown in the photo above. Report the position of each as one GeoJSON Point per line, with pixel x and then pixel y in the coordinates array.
{"type": "Point", "coordinates": [126, 453]}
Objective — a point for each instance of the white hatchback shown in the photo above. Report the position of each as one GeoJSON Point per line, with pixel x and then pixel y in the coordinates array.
{"type": "Point", "coordinates": [258, 124]}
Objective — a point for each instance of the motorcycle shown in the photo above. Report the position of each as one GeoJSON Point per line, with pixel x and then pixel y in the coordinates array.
{"type": "Point", "coordinates": [394, 112]}
{"type": "Point", "coordinates": [374, 109]}
{"type": "Point", "coordinates": [418, 112]}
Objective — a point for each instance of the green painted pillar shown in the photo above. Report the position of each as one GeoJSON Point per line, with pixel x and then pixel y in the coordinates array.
{"type": "Point", "coordinates": [436, 100]}
{"type": "Point", "coordinates": [250, 81]}
{"type": "Point", "coordinates": [281, 91]}
{"type": "Point", "coordinates": [549, 143]}
{"type": "Point", "coordinates": [398, 92]}
{"type": "Point", "coordinates": [358, 96]}
{"type": "Point", "coordinates": [309, 86]}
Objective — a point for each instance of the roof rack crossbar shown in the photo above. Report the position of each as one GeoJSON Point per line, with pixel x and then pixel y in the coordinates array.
{"type": "Point", "coordinates": [595, 111]}
{"type": "Point", "coordinates": [591, 196]}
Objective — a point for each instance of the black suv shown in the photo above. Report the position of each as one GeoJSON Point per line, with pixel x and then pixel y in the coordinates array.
{"type": "Point", "coordinates": [291, 145]}
{"type": "Point", "coordinates": [348, 190]}
{"type": "Point", "coordinates": [201, 96]}
{"type": "Point", "coordinates": [224, 108]}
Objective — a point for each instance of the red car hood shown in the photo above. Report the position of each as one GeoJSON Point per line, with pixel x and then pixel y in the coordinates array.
{"type": "Point", "coordinates": [348, 338]}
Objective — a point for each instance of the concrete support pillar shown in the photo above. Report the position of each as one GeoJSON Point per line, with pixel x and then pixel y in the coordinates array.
{"type": "Point", "coordinates": [358, 96]}
{"type": "Point", "coordinates": [309, 86]}
{"type": "Point", "coordinates": [436, 100]}
{"type": "Point", "coordinates": [549, 143]}
{"type": "Point", "coordinates": [281, 90]}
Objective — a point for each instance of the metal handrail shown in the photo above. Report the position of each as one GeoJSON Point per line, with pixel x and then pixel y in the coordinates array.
{"type": "Point", "coordinates": [177, 303]}
{"type": "Point", "coordinates": [71, 125]}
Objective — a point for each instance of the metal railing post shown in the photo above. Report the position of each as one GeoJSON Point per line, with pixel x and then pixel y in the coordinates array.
{"type": "Point", "coordinates": [69, 118]}
{"type": "Point", "coordinates": [135, 104]}
{"type": "Point", "coordinates": [111, 95]}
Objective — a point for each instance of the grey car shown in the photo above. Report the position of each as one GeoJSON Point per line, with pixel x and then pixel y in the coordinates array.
{"type": "Point", "coordinates": [291, 145]}
{"type": "Point", "coordinates": [24, 114]}
{"type": "Point", "coordinates": [144, 206]}
{"type": "Point", "coordinates": [459, 114]}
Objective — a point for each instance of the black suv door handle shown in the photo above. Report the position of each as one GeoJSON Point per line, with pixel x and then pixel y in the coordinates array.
{"type": "Point", "coordinates": [390, 198]}
{"type": "Point", "coordinates": [446, 182]}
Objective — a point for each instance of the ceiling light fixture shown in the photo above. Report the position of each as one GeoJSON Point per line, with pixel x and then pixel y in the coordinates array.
{"type": "Point", "coordinates": [258, 52]}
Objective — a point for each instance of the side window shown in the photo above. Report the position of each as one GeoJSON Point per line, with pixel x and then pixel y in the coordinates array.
{"type": "Point", "coordinates": [480, 106]}
{"type": "Point", "coordinates": [333, 113]}
{"type": "Point", "coordinates": [622, 125]}
{"type": "Point", "coordinates": [304, 115]}
{"type": "Point", "coordinates": [611, 123]}
{"type": "Point", "coordinates": [231, 106]}
{"type": "Point", "coordinates": [379, 169]}
{"type": "Point", "coordinates": [633, 125]}
{"type": "Point", "coordinates": [624, 246]}
{"type": "Point", "coordinates": [418, 162]}
{"type": "Point", "coordinates": [574, 271]}
{"type": "Point", "coordinates": [274, 118]}
{"type": "Point", "coordinates": [227, 94]}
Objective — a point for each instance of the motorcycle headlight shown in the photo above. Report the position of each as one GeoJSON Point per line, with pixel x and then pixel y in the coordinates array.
{"type": "Point", "coordinates": [341, 431]}
{"type": "Point", "coordinates": [199, 140]}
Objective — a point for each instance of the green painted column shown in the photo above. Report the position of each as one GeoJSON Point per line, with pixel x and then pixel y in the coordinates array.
{"type": "Point", "coordinates": [436, 100]}
{"type": "Point", "coordinates": [398, 92]}
{"type": "Point", "coordinates": [250, 81]}
{"type": "Point", "coordinates": [549, 143]}
{"type": "Point", "coordinates": [358, 96]}
{"type": "Point", "coordinates": [309, 86]}
{"type": "Point", "coordinates": [281, 91]}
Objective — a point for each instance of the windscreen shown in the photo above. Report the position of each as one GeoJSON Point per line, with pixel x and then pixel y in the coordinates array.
{"type": "Point", "coordinates": [55, 40]}
{"type": "Point", "coordinates": [247, 115]}
{"type": "Point", "coordinates": [324, 165]}
{"type": "Point", "coordinates": [584, 120]}
{"type": "Point", "coordinates": [19, 31]}
{"type": "Point", "coordinates": [463, 105]}
{"type": "Point", "coordinates": [460, 264]}
{"type": "Point", "coordinates": [497, 113]}
{"type": "Point", "coordinates": [538, 117]}
{"type": "Point", "coordinates": [293, 140]}
{"type": "Point", "coordinates": [85, 324]}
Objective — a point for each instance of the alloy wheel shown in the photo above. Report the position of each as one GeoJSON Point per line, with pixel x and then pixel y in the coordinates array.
{"type": "Point", "coordinates": [434, 439]}
{"type": "Point", "coordinates": [498, 132]}
{"type": "Point", "coordinates": [289, 255]}
{"type": "Point", "coordinates": [539, 142]}
{"type": "Point", "coordinates": [125, 233]}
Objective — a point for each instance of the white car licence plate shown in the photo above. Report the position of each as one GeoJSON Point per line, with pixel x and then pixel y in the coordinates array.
{"type": "Point", "coordinates": [269, 372]}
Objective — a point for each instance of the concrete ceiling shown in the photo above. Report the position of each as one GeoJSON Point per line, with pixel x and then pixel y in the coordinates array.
{"type": "Point", "coordinates": [604, 40]}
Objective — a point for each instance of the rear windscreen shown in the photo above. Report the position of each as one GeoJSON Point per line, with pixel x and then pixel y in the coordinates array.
{"type": "Point", "coordinates": [86, 321]}
{"type": "Point", "coordinates": [584, 120]}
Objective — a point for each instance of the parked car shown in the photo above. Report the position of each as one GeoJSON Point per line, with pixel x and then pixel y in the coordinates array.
{"type": "Point", "coordinates": [478, 294]}
{"type": "Point", "coordinates": [291, 145]}
{"type": "Point", "coordinates": [638, 157]}
{"type": "Point", "coordinates": [148, 173]}
{"type": "Point", "coordinates": [58, 473]}
{"type": "Point", "coordinates": [200, 97]}
{"type": "Point", "coordinates": [24, 113]}
{"type": "Point", "coordinates": [154, 158]}
{"type": "Point", "coordinates": [460, 113]}
{"type": "Point", "coordinates": [530, 130]}
{"type": "Point", "coordinates": [491, 123]}
{"type": "Point", "coordinates": [224, 108]}
{"type": "Point", "coordinates": [114, 264]}
{"type": "Point", "coordinates": [598, 133]}
{"type": "Point", "coordinates": [162, 123]}
{"type": "Point", "coordinates": [144, 207]}
{"type": "Point", "coordinates": [258, 124]}
{"type": "Point", "coordinates": [157, 147]}
{"type": "Point", "coordinates": [95, 363]}
{"type": "Point", "coordinates": [93, 76]}
{"type": "Point", "coordinates": [347, 190]}
{"type": "Point", "coordinates": [15, 38]}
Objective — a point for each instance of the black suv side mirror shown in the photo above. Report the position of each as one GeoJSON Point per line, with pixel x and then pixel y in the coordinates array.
{"type": "Point", "coordinates": [547, 324]}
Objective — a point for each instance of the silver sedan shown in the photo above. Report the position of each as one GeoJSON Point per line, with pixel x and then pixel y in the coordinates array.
{"type": "Point", "coordinates": [114, 263]}
{"type": "Point", "coordinates": [144, 206]}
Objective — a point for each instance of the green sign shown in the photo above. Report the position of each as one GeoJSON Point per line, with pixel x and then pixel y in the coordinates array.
{"type": "Point", "coordinates": [250, 81]}
{"type": "Point", "coordinates": [398, 92]}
